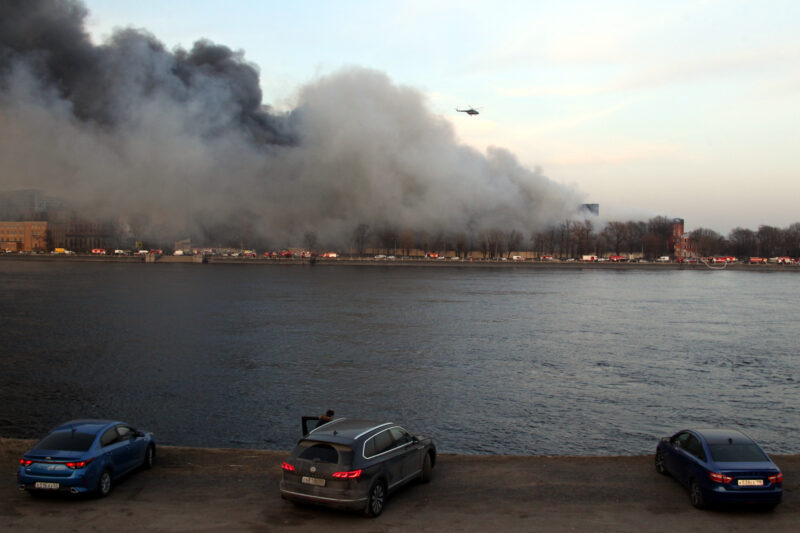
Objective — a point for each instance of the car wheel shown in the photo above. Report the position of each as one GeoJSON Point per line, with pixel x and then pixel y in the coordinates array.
{"type": "Point", "coordinates": [149, 457]}
{"type": "Point", "coordinates": [427, 469]}
{"type": "Point", "coordinates": [660, 468]}
{"type": "Point", "coordinates": [696, 495]}
{"type": "Point", "coordinates": [104, 484]}
{"type": "Point", "coordinates": [376, 498]}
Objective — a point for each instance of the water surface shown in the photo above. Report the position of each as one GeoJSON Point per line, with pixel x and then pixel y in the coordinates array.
{"type": "Point", "coordinates": [500, 361]}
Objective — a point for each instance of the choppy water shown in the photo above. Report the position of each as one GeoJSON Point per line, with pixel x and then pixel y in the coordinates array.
{"type": "Point", "coordinates": [500, 361]}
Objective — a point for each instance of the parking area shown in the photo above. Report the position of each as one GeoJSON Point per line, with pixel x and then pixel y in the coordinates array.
{"type": "Point", "coordinates": [193, 489]}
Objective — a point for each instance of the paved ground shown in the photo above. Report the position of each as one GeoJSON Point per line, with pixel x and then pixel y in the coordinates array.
{"type": "Point", "coordinates": [192, 489]}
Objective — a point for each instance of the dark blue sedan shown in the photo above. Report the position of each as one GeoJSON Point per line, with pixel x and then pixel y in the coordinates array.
{"type": "Point", "coordinates": [720, 466]}
{"type": "Point", "coordinates": [85, 456]}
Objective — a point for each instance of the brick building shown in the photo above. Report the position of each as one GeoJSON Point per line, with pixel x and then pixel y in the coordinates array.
{"type": "Point", "coordinates": [25, 236]}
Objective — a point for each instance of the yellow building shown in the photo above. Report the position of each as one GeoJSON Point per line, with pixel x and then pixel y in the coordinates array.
{"type": "Point", "coordinates": [23, 236]}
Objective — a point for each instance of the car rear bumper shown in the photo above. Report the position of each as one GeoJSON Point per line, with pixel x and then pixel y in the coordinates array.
{"type": "Point", "coordinates": [765, 496]}
{"type": "Point", "coordinates": [337, 499]}
{"type": "Point", "coordinates": [75, 483]}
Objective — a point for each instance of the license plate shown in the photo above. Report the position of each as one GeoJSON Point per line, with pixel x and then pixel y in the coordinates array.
{"type": "Point", "coordinates": [751, 482]}
{"type": "Point", "coordinates": [46, 485]}
{"type": "Point", "coordinates": [308, 480]}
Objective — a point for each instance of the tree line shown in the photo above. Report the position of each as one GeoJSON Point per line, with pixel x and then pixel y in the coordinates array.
{"type": "Point", "coordinates": [571, 238]}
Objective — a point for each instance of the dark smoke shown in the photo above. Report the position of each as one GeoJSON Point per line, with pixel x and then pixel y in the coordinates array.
{"type": "Point", "coordinates": [178, 143]}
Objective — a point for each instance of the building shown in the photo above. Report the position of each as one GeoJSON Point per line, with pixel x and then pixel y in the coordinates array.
{"type": "Point", "coordinates": [26, 204]}
{"type": "Point", "coordinates": [24, 236]}
{"type": "Point", "coordinates": [83, 235]}
{"type": "Point", "coordinates": [680, 242]}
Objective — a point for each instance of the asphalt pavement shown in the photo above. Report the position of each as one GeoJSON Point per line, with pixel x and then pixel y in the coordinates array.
{"type": "Point", "coordinates": [196, 489]}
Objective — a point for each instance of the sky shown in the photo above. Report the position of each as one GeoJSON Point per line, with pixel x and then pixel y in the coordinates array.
{"type": "Point", "coordinates": [684, 109]}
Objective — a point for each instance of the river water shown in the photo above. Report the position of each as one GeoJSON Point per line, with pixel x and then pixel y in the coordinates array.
{"type": "Point", "coordinates": [491, 361]}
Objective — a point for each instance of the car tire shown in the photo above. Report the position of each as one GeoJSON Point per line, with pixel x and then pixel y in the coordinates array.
{"type": "Point", "coordinates": [696, 495]}
{"type": "Point", "coordinates": [427, 469]}
{"type": "Point", "coordinates": [149, 457]}
{"type": "Point", "coordinates": [376, 499]}
{"type": "Point", "coordinates": [660, 468]}
{"type": "Point", "coordinates": [104, 484]}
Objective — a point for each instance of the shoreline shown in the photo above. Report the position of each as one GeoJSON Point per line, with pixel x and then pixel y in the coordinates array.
{"type": "Point", "coordinates": [215, 489]}
{"type": "Point", "coordinates": [408, 263]}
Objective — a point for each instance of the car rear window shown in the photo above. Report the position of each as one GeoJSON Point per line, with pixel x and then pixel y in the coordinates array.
{"type": "Point", "coordinates": [324, 452]}
{"type": "Point", "coordinates": [737, 453]}
{"type": "Point", "coordinates": [67, 441]}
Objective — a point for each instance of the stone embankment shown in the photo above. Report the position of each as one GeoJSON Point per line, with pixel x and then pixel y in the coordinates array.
{"type": "Point", "coordinates": [415, 262]}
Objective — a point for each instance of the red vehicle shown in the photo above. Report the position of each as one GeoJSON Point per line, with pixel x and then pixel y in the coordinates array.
{"type": "Point", "coordinates": [617, 258]}
{"type": "Point", "coordinates": [286, 253]}
{"type": "Point", "coordinates": [98, 251]}
{"type": "Point", "coordinates": [432, 255]}
{"type": "Point", "coordinates": [757, 260]}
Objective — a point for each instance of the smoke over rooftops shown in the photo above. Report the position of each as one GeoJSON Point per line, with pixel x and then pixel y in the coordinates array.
{"type": "Point", "coordinates": [178, 142]}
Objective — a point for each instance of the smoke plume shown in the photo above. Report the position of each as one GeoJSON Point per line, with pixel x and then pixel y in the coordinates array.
{"type": "Point", "coordinates": [178, 143]}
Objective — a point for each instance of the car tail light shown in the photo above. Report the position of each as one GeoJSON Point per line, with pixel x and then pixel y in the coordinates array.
{"type": "Point", "coordinates": [777, 478]}
{"type": "Point", "coordinates": [25, 462]}
{"type": "Point", "coordinates": [78, 464]}
{"type": "Point", "coordinates": [719, 478]}
{"type": "Point", "coordinates": [352, 474]}
{"type": "Point", "coordinates": [286, 466]}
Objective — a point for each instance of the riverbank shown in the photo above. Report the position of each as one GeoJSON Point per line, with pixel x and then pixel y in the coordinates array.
{"type": "Point", "coordinates": [200, 489]}
{"type": "Point", "coordinates": [412, 262]}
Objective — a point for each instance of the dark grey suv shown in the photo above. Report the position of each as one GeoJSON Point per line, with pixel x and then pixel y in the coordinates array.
{"type": "Point", "coordinates": [355, 464]}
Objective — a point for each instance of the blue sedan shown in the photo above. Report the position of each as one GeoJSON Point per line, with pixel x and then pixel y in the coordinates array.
{"type": "Point", "coordinates": [720, 466]}
{"type": "Point", "coordinates": [85, 456]}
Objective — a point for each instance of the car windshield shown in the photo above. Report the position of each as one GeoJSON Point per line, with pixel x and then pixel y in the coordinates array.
{"type": "Point", "coordinates": [737, 453]}
{"type": "Point", "coordinates": [324, 452]}
{"type": "Point", "coordinates": [68, 441]}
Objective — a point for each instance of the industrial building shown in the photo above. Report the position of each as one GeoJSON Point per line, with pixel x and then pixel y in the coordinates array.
{"type": "Point", "coordinates": [23, 236]}
{"type": "Point", "coordinates": [30, 222]}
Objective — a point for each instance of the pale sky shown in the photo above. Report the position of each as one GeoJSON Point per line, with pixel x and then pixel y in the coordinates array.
{"type": "Point", "coordinates": [685, 109]}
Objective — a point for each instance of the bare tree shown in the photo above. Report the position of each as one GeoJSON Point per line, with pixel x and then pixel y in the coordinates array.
{"type": "Point", "coordinates": [387, 237]}
{"type": "Point", "coordinates": [636, 234]}
{"type": "Point", "coordinates": [423, 242]}
{"type": "Point", "coordinates": [513, 241]}
{"type": "Point", "coordinates": [743, 242]}
{"type": "Point", "coordinates": [707, 242]}
{"type": "Point", "coordinates": [582, 233]}
{"type": "Point", "coordinates": [360, 235]}
{"type": "Point", "coordinates": [792, 240]}
{"type": "Point", "coordinates": [460, 244]}
{"type": "Point", "coordinates": [438, 242]}
{"type": "Point", "coordinates": [769, 241]}
{"type": "Point", "coordinates": [483, 243]}
{"type": "Point", "coordinates": [660, 230]}
{"type": "Point", "coordinates": [616, 234]}
{"type": "Point", "coordinates": [496, 241]}
{"type": "Point", "coordinates": [310, 240]}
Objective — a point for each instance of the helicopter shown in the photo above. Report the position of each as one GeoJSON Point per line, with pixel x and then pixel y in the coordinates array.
{"type": "Point", "coordinates": [469, 111]}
